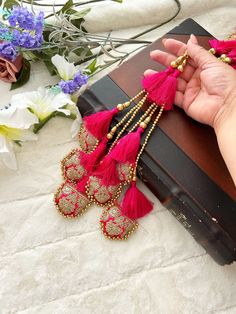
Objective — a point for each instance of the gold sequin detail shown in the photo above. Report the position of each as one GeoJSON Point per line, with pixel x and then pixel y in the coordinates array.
{"type": "Point", "coordinates": [71, 167]}
{"type": "Point", "coordinates": [87, 141]}
{"type": "Point", "coordinates": [115, 226]}
{"type": "Point", "coordinates": [70, 202]}
{"type": "Point", "coordinates": [100, 193]}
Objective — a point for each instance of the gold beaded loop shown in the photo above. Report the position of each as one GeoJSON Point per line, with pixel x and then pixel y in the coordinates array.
{"type": "Point", "coordinates": [146, 140]}
{"type": "Point", "coordinates": [152, 106]}
{"type": "Point", "coordinates": [134, 111]}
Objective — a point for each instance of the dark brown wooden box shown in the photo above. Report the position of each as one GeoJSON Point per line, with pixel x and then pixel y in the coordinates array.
{"type": "Point", "coordinates": [181, 164]}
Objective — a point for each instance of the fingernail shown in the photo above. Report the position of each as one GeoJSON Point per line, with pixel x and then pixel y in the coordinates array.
{"type": "Point", "coordinates": [164, 40]}
{"type": "Point", "coordinates": [193, 39]}
{"type": "Point", "coordinates": [152, 53]}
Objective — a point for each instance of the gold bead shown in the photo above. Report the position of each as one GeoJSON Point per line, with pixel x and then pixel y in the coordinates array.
{"type": "Point", "coordinates": [143, 125]}
{"type": "Point", "coordinates": [113, 130]}
{"type": "Point", "coordinates": [179, 59]}
{"type": "Point", "coordinates": [120, 107]}
{"type": "Point", "coordinates": [147, 120]}
{"type": "Point", "coordinates": [174, 64]}
{"type": "Point", "coordinates": [126, 104]}
{"type": "Point", "coordinates": [134, 178]}
{"type": "Point", "coordinates": [213, 51]}
{"type": "Point", "coordinates": [180, 68]}
{"type": "Point", "coordinates": [227, 60]}
{"type": "Point", "coordinates": [223, 56]}
{"type": "Point", "coordinates": [109, 136]}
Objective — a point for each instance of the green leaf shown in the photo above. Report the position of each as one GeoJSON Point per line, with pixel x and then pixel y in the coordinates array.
{"type": "Point", "coordinates": [75, 15]}
{"type": "Point", "coordinates": [8, 4]}
{"type": "Point", "coordinates": [92, 67]}
{"type": "Point", "coordinates": [46, 34]}
{"type": "Point", "coordinates": [50, 67]}
{"type": "Point", "coordinates": [38, 126]}
{"type": "Point", "coordinates": [82, 53]}
{"type": "Point", "coordinates": [67, 6]}
{"type": "Point", "coordinates": [23, 76]}
{"type": "Point", "coordinates": [119, 1]}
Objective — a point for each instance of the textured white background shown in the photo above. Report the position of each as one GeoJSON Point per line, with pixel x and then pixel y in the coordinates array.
{"type": "Point", "coordinates": [52, 265]}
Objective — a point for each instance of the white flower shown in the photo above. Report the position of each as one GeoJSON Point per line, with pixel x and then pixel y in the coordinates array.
{"type": "Point", "coordinates": [75, 126]}
{"type": "Point", "coordinates": [43, 102]}
{"type": "Point", "coordinates": [65, 69]}
{"type": "Point", "coordinates": [14, 126]}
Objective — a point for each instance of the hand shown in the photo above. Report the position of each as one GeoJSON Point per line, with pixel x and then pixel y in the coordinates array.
{"type": "Point", "coordinates": [206, 89]}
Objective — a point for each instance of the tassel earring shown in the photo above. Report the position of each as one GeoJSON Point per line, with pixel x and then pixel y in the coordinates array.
{"type": "Point", "coordinates": [79, 162]}
{"type": "Point", "coordinates": [70, 198]}
{"type": "Point", "coordinates": [116, 169]}
{"type": "Point", "coordinates": [95, 127]}
{"type": "Point", "coordinates": [93, 178]}
{"type": "Point", "coordinates": [118, 222]}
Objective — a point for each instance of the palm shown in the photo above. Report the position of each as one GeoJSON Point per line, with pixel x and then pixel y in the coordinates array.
{"type": "Point", "coordinates": [206, 93]}
{"type": "Point", "coordinates": [203, 90]}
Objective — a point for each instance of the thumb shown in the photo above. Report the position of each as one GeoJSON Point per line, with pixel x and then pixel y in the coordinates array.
{"type": "Point", "coordinates": [201, 57]}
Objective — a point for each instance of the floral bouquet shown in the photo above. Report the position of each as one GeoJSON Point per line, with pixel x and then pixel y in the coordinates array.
{"type": "Point", "coordinates": [28, 36]}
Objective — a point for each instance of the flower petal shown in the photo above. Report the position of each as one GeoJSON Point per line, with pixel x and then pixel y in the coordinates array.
{"type": "Point", "coordinates": [66, 70]}
{"type": "Point", "coordinates": [65, 111]}
{"type": "Point", "coordinates": [75, 126]}
{"type": "Point", "coordinates": [17, 118]}
{"type": "Point", "coordinates": [7, 154]}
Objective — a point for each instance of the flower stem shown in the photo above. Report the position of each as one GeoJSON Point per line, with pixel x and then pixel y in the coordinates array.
{"type": "Point", "coordinates": [38, 126]}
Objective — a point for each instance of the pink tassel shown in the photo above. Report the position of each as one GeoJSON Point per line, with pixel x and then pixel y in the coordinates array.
{"type": "Point", "coordinates": [107, 171]}
{"type": "Point", "coordinates": [99, 122]}
{"type": "Point", "coordinates": [90, 161]}
{"type": "Point", "coordinates": [161, 87]}
{"type": "Point", "coordinates": [127, 148]}
{"type": "Point", "coordinates": [232, 55]}
{"type": "Point", "coordinates": [135, 204]}
{"type": "Point", "coordinates": [153, 81]}
{"type": "Point", "coordinates": [222, 46]}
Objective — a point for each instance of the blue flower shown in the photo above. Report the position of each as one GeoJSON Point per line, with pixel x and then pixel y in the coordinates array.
{"type": "Point", "coordinates": [39, 22]}
{"type": "Point", "coordinates": [71, 86]}
{"type": "Point", "coordinates": [4, 33]}
{"type": "Point", "coordinates": [29, 28]}
{"type": "Point", "coordinates": [8, 51]}
{"type": "Point", "coordinates": [22, 17]}
{"type": "Point", "coordinates": [26, 40]}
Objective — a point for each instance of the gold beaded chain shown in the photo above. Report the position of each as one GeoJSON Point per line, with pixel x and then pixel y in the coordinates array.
{"type": "Point", "coordinates": [113, 130]}
{"type": "Point", "coordinates": [132, 110]}
{"type": "Point", "coordinates": [151, 110]}
{"type": "Point", "coordinates": [126, 104]}
{"type": "Point", "coordinates": [146, 121]}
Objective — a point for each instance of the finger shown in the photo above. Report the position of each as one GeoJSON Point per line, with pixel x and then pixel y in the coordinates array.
{"type": "Point", "coordinates": [166, 59]}
{"type": "Point", "coordinates": [174, 46]}
{"type": "Point", "coordinates": [177, 48]}
{"type": "Point", "coordinates": [201, 57]}
{"type": "Point", "coordinates": [179, 99]}
{"type": "Point", "coordinates": [181, 83]}
{"type": "Point", "coordinates": [149, 72]}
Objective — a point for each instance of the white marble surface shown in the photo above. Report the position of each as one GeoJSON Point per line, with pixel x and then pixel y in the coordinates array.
{"type": "Point", "coordinates": [52, 265]}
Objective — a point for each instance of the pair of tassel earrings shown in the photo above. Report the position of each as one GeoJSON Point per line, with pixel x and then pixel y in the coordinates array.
{"type": "Point", "coordinates": [97, 173]}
